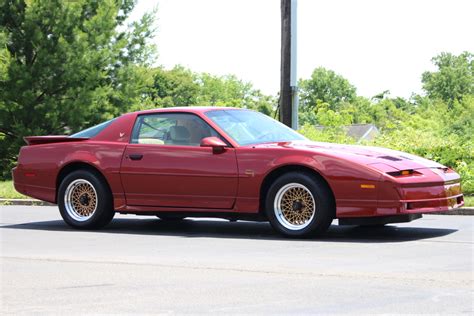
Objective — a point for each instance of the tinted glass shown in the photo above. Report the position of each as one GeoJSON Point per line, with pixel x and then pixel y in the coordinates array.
{"type": "Point", "coordinates": [92, 131]}
{"type": "Point", "coordinates": [249, 127]}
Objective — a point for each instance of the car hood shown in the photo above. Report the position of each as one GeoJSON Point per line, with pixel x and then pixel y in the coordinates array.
{"type": "Point", "coordinates": [366, 155]}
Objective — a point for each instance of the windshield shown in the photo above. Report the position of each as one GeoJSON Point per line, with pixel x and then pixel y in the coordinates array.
{"type": "Point", "coordinates": [249, 127]}
{"type": "Point", "coordinates": [92, 131]}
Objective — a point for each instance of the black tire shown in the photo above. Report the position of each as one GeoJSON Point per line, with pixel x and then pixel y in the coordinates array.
{"type": "Point", "coordinates": [171, 218]}
{"type": "Point", "coordinates": [100, 215]}
{"type": "Point", "coordinates": [324, 207]}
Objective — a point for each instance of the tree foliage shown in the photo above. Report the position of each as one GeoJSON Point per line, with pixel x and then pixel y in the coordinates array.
{"type": "Point", "coordinates": [175, 87]}
{"type": "Point", "coordinates": [438, 126]}
{"type": "Point", "coordinates": [326, 86]}
{"type": "Point", "coordinates": [454, 78]}
{"type": "Point", "coordinates": [182, 87]}
{"type": "Point", "coordinates": [66, 65]}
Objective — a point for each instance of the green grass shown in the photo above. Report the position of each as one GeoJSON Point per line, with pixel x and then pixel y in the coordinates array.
{"type": "Point", "coordinates": [7, 191]}
{"type": "Point", "coordinates": [469, 201]}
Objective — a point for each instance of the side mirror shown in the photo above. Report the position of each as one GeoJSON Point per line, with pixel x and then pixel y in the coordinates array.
{"type": "Point", "coordinates": [218, 146]}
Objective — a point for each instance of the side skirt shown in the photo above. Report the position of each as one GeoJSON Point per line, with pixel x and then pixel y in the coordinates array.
{"type": "Point", "coordinates": [225, 215]}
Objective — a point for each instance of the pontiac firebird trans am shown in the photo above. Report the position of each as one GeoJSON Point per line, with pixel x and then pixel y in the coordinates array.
{"type": "Point", "coordinates": [229, 163]}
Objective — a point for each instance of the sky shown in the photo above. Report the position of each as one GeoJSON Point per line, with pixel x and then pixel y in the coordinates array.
{"type": "Point", "coordinates": [377, 45]}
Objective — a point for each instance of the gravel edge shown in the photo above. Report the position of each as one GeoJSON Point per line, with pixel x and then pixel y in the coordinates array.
{"type": "Point", "coordinates": [31, 202]}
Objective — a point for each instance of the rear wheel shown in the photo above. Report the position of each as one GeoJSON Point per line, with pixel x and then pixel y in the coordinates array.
{"type": "Point", "coordinates": [84, 200]}
{"type": "Point", "coordinates": [299, 205]}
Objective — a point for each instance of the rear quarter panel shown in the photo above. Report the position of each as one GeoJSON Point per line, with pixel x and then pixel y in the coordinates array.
{"type": "Point", "coordinates": [38, 166]}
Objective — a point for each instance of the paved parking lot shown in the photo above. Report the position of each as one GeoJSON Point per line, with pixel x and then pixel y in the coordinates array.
{"type": "Point", "coordinates": [144, 265]}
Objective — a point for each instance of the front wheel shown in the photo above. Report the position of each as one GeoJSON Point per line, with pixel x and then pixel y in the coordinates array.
{"type": "Point", "coordinates": [85, 201]}
{"type": "Point", "coordinates": [299, 205]}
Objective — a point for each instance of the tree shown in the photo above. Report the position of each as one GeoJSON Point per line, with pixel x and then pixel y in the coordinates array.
{"type": "Point", "coordinates": [182, 87]}
{"type": "Point", "coordinates": [326, 86]}
{"type": "Point", "coordinates": [66, 65]}
{"type": "Point", "coordinates": [453, 79]}
{"type": "Point", "coordinates": [175, 87]}
{"type": "Point", "coordinates": [230, 91]}
{"type": "Point", "coordinates": [223, 90]}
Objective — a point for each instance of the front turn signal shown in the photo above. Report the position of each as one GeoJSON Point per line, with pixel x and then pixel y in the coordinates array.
{"type": "Point", "coordinates": [404, 173]}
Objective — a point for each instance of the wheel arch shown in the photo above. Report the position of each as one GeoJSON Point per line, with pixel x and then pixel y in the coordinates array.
{"type": "Point", "coordinates": [78, 165]}
{"type": "Point", "coordinates": [279, 171]}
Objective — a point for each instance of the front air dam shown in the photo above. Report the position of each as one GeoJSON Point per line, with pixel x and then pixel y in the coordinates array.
{"type": "Point", "coordinates": [379, 220]}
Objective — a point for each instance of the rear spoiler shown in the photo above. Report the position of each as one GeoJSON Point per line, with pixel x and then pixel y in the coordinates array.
{"type": "Point", "coordinates": [37, 140]}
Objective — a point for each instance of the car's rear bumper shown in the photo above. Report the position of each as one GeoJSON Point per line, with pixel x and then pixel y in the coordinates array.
{"type": "Point", "coordinates": [24, 183]}
{"type": "Point", "coordinates": [15, 179]}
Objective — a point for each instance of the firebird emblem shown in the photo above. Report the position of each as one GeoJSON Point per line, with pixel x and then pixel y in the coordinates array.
{"type": "Point", "coordinates": [121, 135]}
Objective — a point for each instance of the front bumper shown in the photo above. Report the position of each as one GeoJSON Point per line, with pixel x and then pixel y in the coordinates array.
{"type": "Point", "coordinates": [432, 205]}
{"type": "Point", "coordinates": [430, 190]}
{"type": "Point", "coordinates": [426, 198]}
{"type": "Point", "coordinates": [407, 198]}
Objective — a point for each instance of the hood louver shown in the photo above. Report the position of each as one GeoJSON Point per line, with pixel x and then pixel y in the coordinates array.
{"type": "Point", "coordinates": [390, 158]}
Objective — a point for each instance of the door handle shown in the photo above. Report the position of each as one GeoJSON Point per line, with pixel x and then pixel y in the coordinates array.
{"type": "Point", "coordinates": [135, 156]}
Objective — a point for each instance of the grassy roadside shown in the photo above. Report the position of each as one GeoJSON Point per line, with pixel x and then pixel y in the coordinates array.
{"type": "Point", "coordinates": [469, 201]}
{"type": "Point", "coordinates": [7, 191]}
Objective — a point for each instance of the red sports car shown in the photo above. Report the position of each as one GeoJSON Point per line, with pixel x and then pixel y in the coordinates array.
{"type": "Point", "coordinates": [229, 163]}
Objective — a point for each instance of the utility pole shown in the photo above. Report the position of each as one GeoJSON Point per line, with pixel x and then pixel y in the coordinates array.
{"type": "Point", "coordinates": [288, 78]}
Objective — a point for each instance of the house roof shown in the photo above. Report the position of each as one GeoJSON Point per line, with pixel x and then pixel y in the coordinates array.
{"type": "Point", "coordinates": [358, 131]}
{"type": "Point", "coordinates": [362, 131]}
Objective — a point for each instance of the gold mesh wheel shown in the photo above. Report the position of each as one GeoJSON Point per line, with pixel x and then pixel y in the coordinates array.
{"type": "Point", "coordinates": [294, 206]}
{"type": "Point", "coordinates": [80, 200]}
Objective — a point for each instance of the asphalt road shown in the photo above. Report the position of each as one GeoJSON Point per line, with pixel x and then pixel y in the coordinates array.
{"type": "Point", "coordinates": [144, 265]}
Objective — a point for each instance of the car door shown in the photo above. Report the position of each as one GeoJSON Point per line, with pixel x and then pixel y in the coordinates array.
{"type": "Point", "coordinates": [165, 166]}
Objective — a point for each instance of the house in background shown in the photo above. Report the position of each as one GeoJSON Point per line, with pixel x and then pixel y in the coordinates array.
{"type": "Point", "coordinates": [362, 132]}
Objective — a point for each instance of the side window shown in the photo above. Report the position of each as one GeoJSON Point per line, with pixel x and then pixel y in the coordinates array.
{"type": "Point", "coordinates": [179, 129]}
